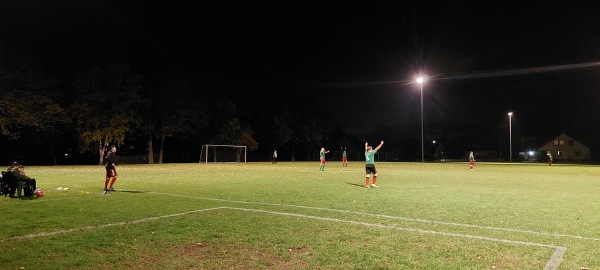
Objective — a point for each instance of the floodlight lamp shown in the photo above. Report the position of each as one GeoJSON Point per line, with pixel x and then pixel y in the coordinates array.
{"type": "Point", "coordinates": [531, 153]}
{"type": "Point", "coordinates": [420, 80]}
{"type": "Point", "coordinates": [509, 113]}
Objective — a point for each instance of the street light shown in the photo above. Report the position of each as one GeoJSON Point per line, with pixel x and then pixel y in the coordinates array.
{"type": "Point", "coordinates": [421, 81]}
{"type": "Point", "coordinates": [510, 134]}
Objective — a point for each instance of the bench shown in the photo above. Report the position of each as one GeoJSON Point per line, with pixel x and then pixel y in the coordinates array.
{"type": "Point", "coordinates": [11, 184]}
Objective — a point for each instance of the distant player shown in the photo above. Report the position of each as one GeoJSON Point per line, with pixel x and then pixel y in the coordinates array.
{"type": "Point", "coordinates": [344, 158]}
{"type": "Point", "coordinates": [471, 160]}
{"type": "Point", "coordinates": [550, 158]}
{"type": "Point", "coordinates": [322, 158]}
{"type": "Point", "coordinates": [111, 169]}
{"type": "Point", "coordinates": [370, 163]}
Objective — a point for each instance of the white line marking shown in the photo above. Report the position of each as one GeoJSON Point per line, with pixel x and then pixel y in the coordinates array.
{"type": "Point", "coordinates": [556, 259]}
{"type": "Point", "coordinates": [396, 227]}
{"type": "Point", "coordinates": [44, 234]}
{"type": "Point", "coordinates": [391, 217]}
{"type": "Point", "coordinates": [552, 264]}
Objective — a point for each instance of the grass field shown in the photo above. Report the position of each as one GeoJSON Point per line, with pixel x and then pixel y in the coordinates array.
{"type": "Point", "coordinates": [290, 215]}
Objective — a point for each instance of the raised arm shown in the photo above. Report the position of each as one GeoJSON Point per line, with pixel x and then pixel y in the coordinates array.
{"type": "Point", "coordinates": [366, 146]}
{"type": "Point", "coordinates": [379, 146]}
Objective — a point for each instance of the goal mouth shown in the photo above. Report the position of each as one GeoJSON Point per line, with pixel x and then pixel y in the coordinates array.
{"type": "Point", "coordinates": [223, 153]}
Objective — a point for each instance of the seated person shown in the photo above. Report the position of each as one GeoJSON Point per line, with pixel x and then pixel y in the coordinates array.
{"type": "Point", "coordinates": [18, 170]}
{"type": "Point", "coordinates": [4, 185]}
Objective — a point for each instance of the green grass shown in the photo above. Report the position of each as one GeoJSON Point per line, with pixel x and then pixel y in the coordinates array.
{"type": "Point", "coordinates": [292, 216]}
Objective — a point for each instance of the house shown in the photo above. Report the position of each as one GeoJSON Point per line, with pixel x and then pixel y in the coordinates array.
{"type": "Point", "coordinates": [564, 147]}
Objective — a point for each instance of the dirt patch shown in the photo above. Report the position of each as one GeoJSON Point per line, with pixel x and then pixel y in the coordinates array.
{"type": "Point", "coordinates": [216, 256]}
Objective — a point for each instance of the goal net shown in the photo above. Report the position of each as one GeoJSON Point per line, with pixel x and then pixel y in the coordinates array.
{"type": "Point", "coordinates": [223, 153]}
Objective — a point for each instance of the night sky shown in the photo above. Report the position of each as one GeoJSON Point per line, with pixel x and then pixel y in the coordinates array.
{"type": "Point", "coordinates": [357, 58]}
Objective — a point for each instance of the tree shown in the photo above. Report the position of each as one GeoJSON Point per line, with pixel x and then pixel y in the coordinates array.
{"type": "Point", "coordinates": [178, 115]}
{"type": "Point", "coordinates": [183, 121]}
{"type": "Point", "coordinates": [28, 108]}
{"type": "Point", "coordinates": [25, 111]}
{"type": "Point", "coordinates": [104, 110]}
{"type": "Point", "coordinates": [30, 115]}
{"type": "Point", "coordinates": [147, 123]}
{"type": "Point", "coordinates": [301, 125]}
{"type": "Point", "coordinates": [244, 137]}
{"type": "Point", "coordinates": [223, 126]}
{"type": "Point", "coordinates": [282, 129]}
{"type": "Point", "coordinates": [291, 123]}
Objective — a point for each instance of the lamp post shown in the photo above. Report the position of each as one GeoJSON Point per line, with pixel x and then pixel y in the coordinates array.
{"type": "Point", "coordinates": [510, 134]}
{"type": "Point", "coordinates": [421, 81]}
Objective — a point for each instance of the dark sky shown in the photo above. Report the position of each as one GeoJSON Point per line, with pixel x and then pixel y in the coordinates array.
{"type": "Point", "coordinates": [358, 58]}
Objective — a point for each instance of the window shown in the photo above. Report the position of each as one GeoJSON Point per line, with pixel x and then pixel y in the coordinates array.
{"type": "Point", "coordinates": [577, 153]}
{"type": "Point", "coordinates": [559, 153]}
{"type": "Point", "coordinates": [571, 142]}
{"type": "Point", "coordinates": [555, 142]}
{"type": "Point", "coordinates": [561, 142]}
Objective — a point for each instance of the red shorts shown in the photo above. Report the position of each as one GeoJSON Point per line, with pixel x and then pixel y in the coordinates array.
{"type": "Point", "coordinates": [322, 161]}
{"type": "Point", "coordinates": [111, 173]}
{"type": "Point", "coordinates": [344, 159]}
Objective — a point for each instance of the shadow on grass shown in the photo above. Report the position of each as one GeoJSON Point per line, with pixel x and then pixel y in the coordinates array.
{"type": "Point", "coordinates": [129, 191]}
{"type": "Point", "coordinates": [25, 197]}
{"type": "Point", "coordinates": [355, 184]}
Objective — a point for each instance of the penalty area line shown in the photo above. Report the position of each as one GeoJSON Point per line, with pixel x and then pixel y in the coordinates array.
{"type": "Point", "coordinates": [90, 228]}
{"type": "Point", "coordinates": [552, 264]}
{"type": "Point", "coordinates": [385, 216]}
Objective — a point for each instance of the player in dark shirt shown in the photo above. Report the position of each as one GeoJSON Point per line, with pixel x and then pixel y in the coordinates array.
{"type": "Point", "coordinates": [111, 169]}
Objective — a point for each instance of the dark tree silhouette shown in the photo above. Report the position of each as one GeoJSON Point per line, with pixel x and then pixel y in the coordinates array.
{"type": "Point", "coordinates": [104, 108]}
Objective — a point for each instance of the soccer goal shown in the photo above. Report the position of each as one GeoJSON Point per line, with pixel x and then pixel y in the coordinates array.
{"type": "Point", "coordinates": [223, 153]}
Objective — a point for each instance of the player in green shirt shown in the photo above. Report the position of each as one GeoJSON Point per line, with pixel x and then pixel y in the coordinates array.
{"type": "Point", "coordinates": [370, 163]}
{"type": "Point", "coordinates": [344, 158]}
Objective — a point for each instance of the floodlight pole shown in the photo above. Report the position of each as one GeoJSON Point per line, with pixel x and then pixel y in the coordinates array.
{"type": "Point", "coordinates": [421, 81]}
{"type": "Point", "coordinates": [510, 134]}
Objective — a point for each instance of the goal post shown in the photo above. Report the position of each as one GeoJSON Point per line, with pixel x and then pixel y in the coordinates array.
{"type": "Point", "coordinates": [223, 153]}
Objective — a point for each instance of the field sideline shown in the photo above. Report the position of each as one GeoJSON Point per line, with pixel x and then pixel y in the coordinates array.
{"type": "Point", "coordinates": [290, 215]}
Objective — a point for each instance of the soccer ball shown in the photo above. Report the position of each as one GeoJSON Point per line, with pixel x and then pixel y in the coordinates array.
{"type": "Point", "coordinates": [39, 193]}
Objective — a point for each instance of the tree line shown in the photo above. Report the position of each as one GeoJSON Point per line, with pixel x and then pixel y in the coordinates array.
{"type": "Point", "coordinates": [113, 104]}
